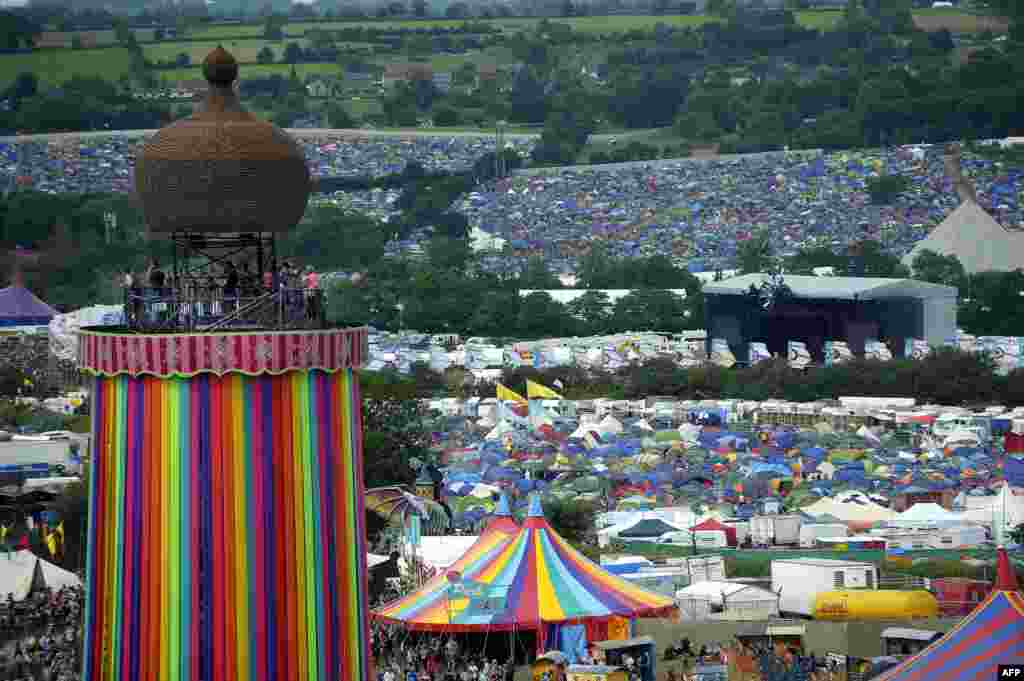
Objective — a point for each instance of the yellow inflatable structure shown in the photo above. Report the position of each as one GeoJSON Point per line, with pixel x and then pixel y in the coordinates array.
{"type": "Point", "coordinates": [845, 606]}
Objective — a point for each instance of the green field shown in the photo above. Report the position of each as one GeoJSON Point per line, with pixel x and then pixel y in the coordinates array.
{"type": "Point", "coordinates": [821, 19]}
{"type": "Point", "coordinates": [251, 70]}
{"type": "Point", "coordinates": [57, 66]}
{"type": "Point", "coordinates": [299, 29]}
{"type": "Point", "coordinates": [245, 42]}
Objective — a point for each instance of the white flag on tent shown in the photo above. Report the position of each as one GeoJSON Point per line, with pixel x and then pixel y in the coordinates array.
{"type": "Point", "coordinates": [798, 354]}
{"type": "Point", "coordinates": [877, 350]}
{"type": "Point", "coordinates": [757, 352]}
{"type": "Point", "coordinates": [837, 352]}
{"type": "Point", "coordinates": [916, 348]}
{"type": "Point", "coordinates": [721, 355]}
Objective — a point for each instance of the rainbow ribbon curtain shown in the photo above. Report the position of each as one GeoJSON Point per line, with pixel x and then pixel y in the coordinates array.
{"type": "Point", "coordinates": [227, 538]}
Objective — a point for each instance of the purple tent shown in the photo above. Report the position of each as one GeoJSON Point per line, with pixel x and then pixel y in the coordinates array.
{"type": "Point", "coordinates": [20, 307]}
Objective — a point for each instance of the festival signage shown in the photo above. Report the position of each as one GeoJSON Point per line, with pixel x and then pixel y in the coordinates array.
{"type": "Point", "coordinates": [837, 352]}
{"type": "Point", "coordinates": [481, 598]}
{"type": "Point", "coordinates": [877, 350]}
{"type": "Point", "coordinates": [1005, 351]}
{"type": "Point", "coordinates": [798, 354]}
{"type": "Point", "coordinates": [757, 352]}
{"type": "Point", "coordinates": [964, 343]}
{"type": "Point", "coordinates": [916, 348]}
{"type": "Point", "coordinates": [721, 355]}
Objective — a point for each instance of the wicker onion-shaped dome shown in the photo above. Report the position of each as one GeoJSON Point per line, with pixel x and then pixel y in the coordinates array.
{"type": "Point", "coordinates": [222, 170]}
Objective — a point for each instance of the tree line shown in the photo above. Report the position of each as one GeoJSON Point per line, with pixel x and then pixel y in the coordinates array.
{"type": "Point", "coordinates": [947, 376]}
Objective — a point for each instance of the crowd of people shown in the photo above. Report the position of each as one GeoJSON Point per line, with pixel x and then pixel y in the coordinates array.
{"type": "Point", "coordinates": [155, 294]}
{"type": "Point", "coordinates": [749, 659]}
{"type": "Point", "coordinates": [401, 656]}
{"type": "Point", "coordinates": [40, 636]}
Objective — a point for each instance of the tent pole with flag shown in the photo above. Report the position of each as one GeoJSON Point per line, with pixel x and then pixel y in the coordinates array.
{"type": "Point", "coordinates": [538, 391]}
{"type": "Point", "coordinates": [506, 395]}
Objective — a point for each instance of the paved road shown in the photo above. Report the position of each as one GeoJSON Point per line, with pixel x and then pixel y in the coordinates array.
{"type": "Point", "coordinates": [311, 132]}
{"type": "Point", "coordinates": [298, 132]}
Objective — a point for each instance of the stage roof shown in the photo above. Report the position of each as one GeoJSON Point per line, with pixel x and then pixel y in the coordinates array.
{"type": "Point", "coordinates": [837, 288]}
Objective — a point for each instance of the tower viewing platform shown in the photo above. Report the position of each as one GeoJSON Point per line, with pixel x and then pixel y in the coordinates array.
{"type": "Point", "coordinates": [219, 187]}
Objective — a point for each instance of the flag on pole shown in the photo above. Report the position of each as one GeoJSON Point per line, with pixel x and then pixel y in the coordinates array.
{"type": "Point", "coordinates": [60, 531]}
{"type": "Point", "coordinates": [506, 395]}
{"type": "Point", "coordinates": [51, 544]}
{"type": "Point", "coordinates": [538, 391]}
{"type": "Point", "coordinates": [558, 384]}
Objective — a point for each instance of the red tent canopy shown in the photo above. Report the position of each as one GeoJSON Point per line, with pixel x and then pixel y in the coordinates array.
{"type": "Point", "coordinates": [712, 525]}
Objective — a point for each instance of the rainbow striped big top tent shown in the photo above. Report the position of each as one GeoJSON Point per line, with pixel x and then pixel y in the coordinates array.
{"type": "Point", "coordinates": [539, 577]}
{"type": "Point", "coordinates": [993, 634]}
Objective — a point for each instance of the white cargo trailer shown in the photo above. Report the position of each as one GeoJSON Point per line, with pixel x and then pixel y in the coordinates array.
{"type": "Point", "coordinates": [25, 454]}
{"type": "Point", "coordinates": [799, 580]}
{"type": "Point", "coordinates": [810, 534]}
{"type": "Point", "coordinates": [701, 568]}
{"type": "Point", "coordinates": [774, 530]}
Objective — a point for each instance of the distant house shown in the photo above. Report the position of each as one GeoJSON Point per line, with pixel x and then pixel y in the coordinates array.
{"type": "Point", "coordinates": [486, 72]}
{"type": "Point", "coordinates": [404, 73]}
{"type": "Point", "coordinates": [323, 87]}
{"type": "Point", "coordinates": [51, 39]}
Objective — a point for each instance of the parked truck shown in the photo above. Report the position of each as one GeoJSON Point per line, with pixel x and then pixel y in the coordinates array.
{"type": "Point", "coordinates": [798, 581]}
{"type": "Point", "coordinates": [774, 530]}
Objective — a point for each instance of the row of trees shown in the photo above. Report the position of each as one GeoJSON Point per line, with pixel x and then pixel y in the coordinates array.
{"type": "Point", "coordinates": [947, 376]}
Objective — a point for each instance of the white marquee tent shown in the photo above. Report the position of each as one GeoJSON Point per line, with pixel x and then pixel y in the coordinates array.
{"type": "Point", "coordinates": [22, 572]}
{"type": "Point", "coordinates": [926, 515]}
{"type": "Point", "coordinates": [1003, 512]}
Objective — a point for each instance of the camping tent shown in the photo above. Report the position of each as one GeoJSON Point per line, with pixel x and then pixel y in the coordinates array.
{"type": "Point", "coordinates": [534, 580]}
{"type": "Point", "coordinates": [852, 508]}
{"type": "Point", "coordinates": [736, 600]}
{"type": "Point", "coordinates": [993, 634]}
{"type": "Point", "coordinates": [973, 236]}
{"type": "Point", "coordinates": [648, 528]}
{"type": "Point", "coordinates": [20, 307]}
{"type": "Point", "coordinates": [712, 525]}
{"type": "Point", "coordinates": [22, 572]}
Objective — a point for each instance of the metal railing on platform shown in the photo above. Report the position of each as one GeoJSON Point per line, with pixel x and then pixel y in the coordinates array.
{"type": "Point", "coordinates": [208, 310]}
